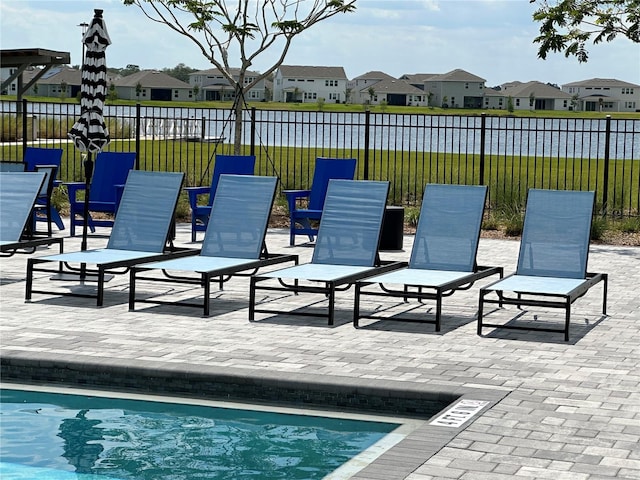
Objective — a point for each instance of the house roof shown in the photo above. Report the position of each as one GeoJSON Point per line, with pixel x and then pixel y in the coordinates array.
{"type": "Point", "coordinates": [537, 89]}
{"type": "Point", "coordinates": [490, 92]}
{"type": "Point", "coordinates": [216, 71]}
{"type": "Point", "coordinates": [600, 82]}
{"type": "Point", "coordinates": [374, 75]}
{"type": "Point", "coordinates": [394, 86]}
{"type": "Point", "coordinates": [312, 72]}
{"type": "Point", "coordinates": [151, 79]}
{"type": "Point", "coordinates": [57, 75]}
{"type": "Point", "coordinates": [457, 75]}
{"type": "Point", "coordinates": [417, 77]}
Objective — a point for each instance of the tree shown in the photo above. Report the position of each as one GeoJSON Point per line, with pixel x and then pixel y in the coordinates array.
{"type": "Point", "coordinates": [244, 29]}
{"type": "Point", "coordinates": [372, 93]}
{"type": "Point", "coordinates": [510, 108]}
{"type": "Point", "coordinates": [567, 25]}
{"type": "Point", "coordinates": [532, 100]}
{"type": "Point", "coordinates": [180, 71]}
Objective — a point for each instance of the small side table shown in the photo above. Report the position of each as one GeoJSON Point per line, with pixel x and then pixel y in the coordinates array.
{"type": "Point", "coordinates": [392, 234]}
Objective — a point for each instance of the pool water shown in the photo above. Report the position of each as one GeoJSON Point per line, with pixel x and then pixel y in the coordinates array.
{"type": "Point", "coordinates": [61, 436]}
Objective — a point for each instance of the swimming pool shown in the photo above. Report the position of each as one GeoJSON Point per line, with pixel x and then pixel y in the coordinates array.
{"type": "Point", "coordinates": [63, 436]}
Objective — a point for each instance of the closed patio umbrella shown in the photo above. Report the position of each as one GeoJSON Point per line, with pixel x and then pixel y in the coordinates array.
{"type": "Point", "coordinates": [89, 133]}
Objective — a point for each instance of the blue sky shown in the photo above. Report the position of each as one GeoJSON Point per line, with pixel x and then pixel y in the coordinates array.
{"type": "Point", "coordinates": [489, 38]}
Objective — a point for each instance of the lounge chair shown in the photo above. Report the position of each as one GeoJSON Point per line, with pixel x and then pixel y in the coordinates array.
{"type": "Point", "coordinates": [18, 193]}
{"type": "Point", "coordinates": [300, 218]}
{"type": "Point", "coordinates": [139, 235]}
{"type": "Point", "coordinates": [345, 251]}
{"type": "Point", "coordinates": [35, 157]}
{"type": "Point", "coordinates": [552, 263]}
{"type": "Point", "coordinates": [233, 243]}
{"type": "Point", "coordinates": [8, 166]}
{"type": "Point", "coordinates": [109, 175]}
{"type": "Point", "coordinates": [443, 257]}
{"type": "Point", "coordinates": [43, 208]}
{"type": "Point", "coordinates": [224, 165]}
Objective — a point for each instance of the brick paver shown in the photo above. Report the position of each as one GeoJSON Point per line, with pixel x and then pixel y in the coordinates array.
{"type": "Point", "coordinates": [563, 410]}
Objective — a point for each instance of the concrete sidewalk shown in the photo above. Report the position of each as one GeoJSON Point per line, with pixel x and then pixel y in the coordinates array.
{"type": "Point", "coordinates": [555, 409]}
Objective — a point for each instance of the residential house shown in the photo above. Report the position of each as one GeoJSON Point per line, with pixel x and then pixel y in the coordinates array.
{"type": "Point", "coordinates": [393, 92]}
{"type": "Point", "coordinates": [152, 85]}
{"type": "Point", "coordinates": [456, 89]}
{"type": "Point", "coordinates": [296, 83]}
{"type": "Point", "coordinates": [604, 94]}
{"type": "Point", "coordinates": [359, 88]}
{"type": "Point", "coordinates": [61, 82]}
{"type": "Point", "coordinates": [213, 85]}
{"type": "Point", "coordinates": [536, 96]}
{"type": "Point", "coordinates": [494, 99]}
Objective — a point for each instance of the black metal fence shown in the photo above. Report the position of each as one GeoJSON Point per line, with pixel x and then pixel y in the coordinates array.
{"type": "Point", "coordinates": [509, 154]}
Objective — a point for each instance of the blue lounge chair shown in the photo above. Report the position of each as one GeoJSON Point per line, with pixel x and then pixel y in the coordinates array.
{"type": "Point", "coordinates": [35, 157]}
{"type": "Point", "coordinates": [139, 235]}
{"type": "Point", "coordinates": [18, 194]}
{"type": "Point", "coordinates": [443, 257]}
{"type": "Point", "coordinates": [346, 248]}
{"type": "Point", "coordinates": [109, 175]}
{"type": "Point", "coordinates": [224, 165]}
{"type": "Point", "coordinates": [552, 263]}
{"type": "Point", "coordinates": [234, 241]}
{"type": "Point", "coordinates": [43, 208]}
{"type": "Point", "coordinates": [300, 218]}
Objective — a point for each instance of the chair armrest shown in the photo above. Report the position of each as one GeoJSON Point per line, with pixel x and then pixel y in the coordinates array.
{"type": "Point", "coordinates": [293, 196]}
{"type": "Point", "coordinates": [73, 188]}
{"type": "Point", "coordinates": [194, 192]}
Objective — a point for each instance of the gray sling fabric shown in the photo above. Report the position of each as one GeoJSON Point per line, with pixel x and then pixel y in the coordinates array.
{"type": "Point", "coordinates": [18, 193]}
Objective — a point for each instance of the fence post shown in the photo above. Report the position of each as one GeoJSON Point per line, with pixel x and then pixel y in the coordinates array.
{"type": "Point", "coordinates": [24, 126]}
{"type": "Point", "coordinates": [137, 136]}
{"type": "Point", "coordinates": [607, 152]}
{"type": "Point", "coordinates": [253, 131]}
{"type": "Point", "coordinates": [367, 125]}
{"type": "Point", "coordinates": [483, 136]}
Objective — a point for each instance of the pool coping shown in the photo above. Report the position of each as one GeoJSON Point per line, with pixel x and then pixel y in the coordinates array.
{"type": "Point", "coordinates": [298, 390]}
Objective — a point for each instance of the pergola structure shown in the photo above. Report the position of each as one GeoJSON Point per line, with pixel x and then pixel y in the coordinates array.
{"type": "Point", "coordinates": [23, 58]}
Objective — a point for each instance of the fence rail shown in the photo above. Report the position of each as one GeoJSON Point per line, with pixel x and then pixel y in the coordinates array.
{"type": "Point", "coordinates": [509, 154]}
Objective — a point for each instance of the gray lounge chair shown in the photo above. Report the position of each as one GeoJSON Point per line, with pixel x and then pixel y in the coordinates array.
{"type": "Point", "coordinates": [139, 235]}
{"type": "Point", "coordinates": [443, 257]}
{"type": "Point", "coordinates": [552, 263]}
{"type": "Point", "coordinates": [18, 194]}
{"type": "Point", "coordinates": [346, 248]}
{"type": "Point", "coordinates": [234, 241]}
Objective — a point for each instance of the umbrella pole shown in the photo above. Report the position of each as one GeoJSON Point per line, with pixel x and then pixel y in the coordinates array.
{"type": "Point", "coordinates": [88, 172]}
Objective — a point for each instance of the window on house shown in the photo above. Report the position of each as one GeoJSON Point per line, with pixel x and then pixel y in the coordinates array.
{"type": "Point", "coordinates": [310, 80]}
{"type": "Point", "coordinates": [517, 102]}
{"type": "Point", "coordinates": [466, 85]}
{"type": "Point", "coordinates": [175, 93]}
{"type": "Point", "coordinates": [564, 104]}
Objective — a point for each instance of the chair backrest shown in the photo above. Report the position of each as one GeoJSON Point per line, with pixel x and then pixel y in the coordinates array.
{"type": "Point", "coordinates": [351, 221]}
{"type": "Point", "coordinates": [42, 156]}
{"type": "Point", "coordinates": [325, 170]}
{"type": "Point", "coordinates": [556, 233]}
{"type": "Point", "coordinates": [18, 192]}
{"type": "Point", "coordinates": [111, 168]}
{"type": "Point", "coordinates": [230, 165]}
{"type": "Point", "coordinates": [239, 216]}
{"type": "Point", "coordinates": [146, 210]}
{"type": "Point", "coordinates": [449, 228]}
{"type": "Point", "coordinates": [50, 175]}
{"type": "Point", "coordinates": [12, 166]}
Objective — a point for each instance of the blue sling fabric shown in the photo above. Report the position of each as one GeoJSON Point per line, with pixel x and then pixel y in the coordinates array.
{"type": "Point", "coordinates": [233, 236]}
{"type": "Point", "coordinates": [556, 232]}
{"type": "Point", "coordinates": [146, 211]}
{"type": "Point", "coordinates": [351, 221]}
{"type": "Point", "coordinates": [18, 192]}
{"type": "Point", "coordinates": [449, 228]}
